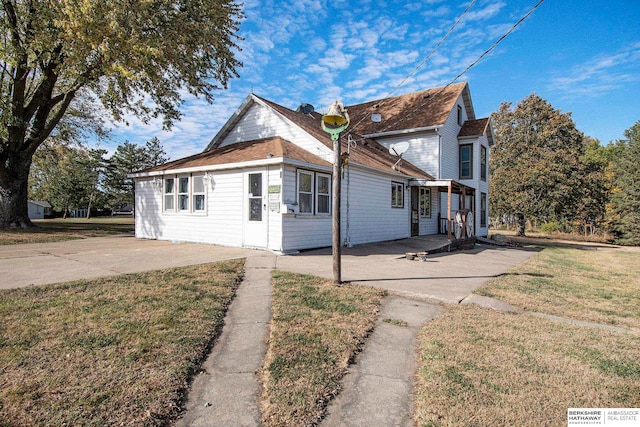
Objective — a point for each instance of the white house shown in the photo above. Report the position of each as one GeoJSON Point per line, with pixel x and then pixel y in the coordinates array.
{"type": "Point", "coordinates": [38, 209]}
{"type": "Point", "coordinates": [264, 181]}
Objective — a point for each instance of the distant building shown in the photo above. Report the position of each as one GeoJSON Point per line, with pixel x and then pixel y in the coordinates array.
{"type": "Point", "coordinates": [39, 209]}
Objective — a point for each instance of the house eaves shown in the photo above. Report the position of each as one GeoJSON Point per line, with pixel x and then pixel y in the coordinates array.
{"type": "Point", "coordinates": [231, 122]}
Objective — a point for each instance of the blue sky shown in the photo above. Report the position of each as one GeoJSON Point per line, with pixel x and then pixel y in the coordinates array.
{"type": "Point", "coordinates": [582, 56]}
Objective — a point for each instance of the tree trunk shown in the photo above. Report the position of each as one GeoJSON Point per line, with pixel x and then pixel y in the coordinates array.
{"type": "Point", "coordinates": [14, 179]}
{"type": "Point", "coordinates": [520, 224]}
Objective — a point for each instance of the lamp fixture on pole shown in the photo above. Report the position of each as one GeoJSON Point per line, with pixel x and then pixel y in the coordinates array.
{"type": "Point", "coordinates": [334, 122]}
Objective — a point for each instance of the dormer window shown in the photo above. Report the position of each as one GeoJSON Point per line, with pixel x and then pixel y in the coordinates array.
{"type": "Point", "coordinates": [460, 118]}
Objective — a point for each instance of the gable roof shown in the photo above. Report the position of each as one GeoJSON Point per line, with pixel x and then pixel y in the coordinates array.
{"type": "Point", "coordinates": [418, 110]}
{"type": "Point", "coordinates": [367, 152]}
{"type": "Point", "coordinates": [248, 151]}
{"type": "Point", "coordinates": [479, 127]}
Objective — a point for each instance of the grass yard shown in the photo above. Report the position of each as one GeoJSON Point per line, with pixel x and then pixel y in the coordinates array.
{"type": "Point", "coordinates": [316, 330]}
{"type": "Point", "coordinates": [111, 351]}
{"type": "Point", "coordinates": [52, 230]}
{"type": "Point", "coordinates": [480, 367]}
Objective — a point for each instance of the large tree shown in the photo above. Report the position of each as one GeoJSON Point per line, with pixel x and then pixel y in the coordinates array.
{"type": "Point", "coordinates": [535, 163]}
{"type": "Point", "coordinates": [134, 56]}
{"type": "Point", "coordinates": [624, 209]}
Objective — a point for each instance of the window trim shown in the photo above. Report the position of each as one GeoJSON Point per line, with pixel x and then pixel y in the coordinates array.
{"type": "Point", "coordinates": [314, 193]}
{"type": "Point", "coordinates": [328, 195]}
{"type": "Point", "coordinates": [195, 193]}
{"type": "Point", "coordinates": [186, 194]}
{"type": "Point", "coordinates": [470, 161]}
{"type": "Point", "coordinates": [395, 203]}
{"type": "Point", "coordinates": [421, 192]}
{"type": "Point", "coordinates": [483, 162]}
{"type": "Point", "coordinates": [310, 192]}
{"type": "Point", "coordinates": [175, 194]}
{"type": "Point", "coordinates": [171, 194]}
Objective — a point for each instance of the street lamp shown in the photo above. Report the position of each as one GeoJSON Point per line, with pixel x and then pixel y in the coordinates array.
{"type": "Point", "coordinates": [334, 122]}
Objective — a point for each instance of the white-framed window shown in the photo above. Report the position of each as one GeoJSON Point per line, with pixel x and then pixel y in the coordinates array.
{"type": "Point", "coordinates": [169, 194]}
{"type": "Point", "coordinates": [466, 161]}
{"type": "Point", "coordinates": [483, 209]}
{"type": "Point", "coordinates": [425, 202]}
{"type": "Point", "coordinates": [397, 194]}
{"type": "Point", "coordinates": [483, 163]}
{"type": "Point", "coordinates": [460, 116]}
{"type": "Point", "coordinates": [183, 193]}
{"type": "Point", "coordinates": [323, 194]}
{"type": "Point", "coordinates": [199, 194]}
{"type": "Point", "coordinates": [305, 192]}
{"type": "Point", "coordinates": [314, 193]}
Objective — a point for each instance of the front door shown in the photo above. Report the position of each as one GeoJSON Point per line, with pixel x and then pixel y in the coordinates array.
{"type": "Point", "coordinates": [255, 216]}
{"type": "Point", "coordinates": [415, 211]}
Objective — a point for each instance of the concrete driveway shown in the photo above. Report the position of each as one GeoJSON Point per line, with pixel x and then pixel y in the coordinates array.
{"type": "Point", "coordinates": [42, 263]}
{"type": "Point", "coordinates": [448, 277]}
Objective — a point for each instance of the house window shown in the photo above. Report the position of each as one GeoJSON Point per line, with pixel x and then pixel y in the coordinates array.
{"type": "Point", "coordinates": [305, 192]}
{"type": "Point", "coordinates": [323, 194]}
{"type": "Point", "coordinates": [199, 194]}
{"type": "Point", "coordinates": [425, 202]}
{"type": "Point", "coordinates": [397, 195]}
{"type": "Point", "coordinates": [483, 209]}
{"type": "Point", "coordinates": [255, 196]}
{"type": "Point", "coordinates": [483, 162]}
{"type": "Point", "coordinates": [460, 118]}
{"type": "Point", "coordinates": [183, 193]}
{"type": "Point", "coordinates": [466, 161]}
{"type": "Point", "coordinates": [314, 193]}
{"type": "Point", "coordinates": [169, 193]}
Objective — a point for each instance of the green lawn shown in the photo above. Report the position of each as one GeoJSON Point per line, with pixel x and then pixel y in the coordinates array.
{"type": "Point", "coordinates": [481, 367]}
{"type": "Point", "coordinates": [112, 351]}
{"type": "Point", "coordinates": [52, 230]}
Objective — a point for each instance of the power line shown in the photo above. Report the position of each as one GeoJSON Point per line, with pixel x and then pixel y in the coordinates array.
{"type": "Point", "coordinates": [485, 53]}
{"type": "Point", "coordinates": [426, 58]}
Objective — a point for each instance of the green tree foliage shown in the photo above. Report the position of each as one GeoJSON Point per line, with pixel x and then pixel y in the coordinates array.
{"type": "Point", "coordinates": [535, 163]}
{"type": "Point", "coordinates": [134, 56]}
{"type": "Point", "coordinates": [624, 207]}
{"type": "Point", "coordinates": [67, 176]}
{"type": "Point", "coordinates": [129, 158]}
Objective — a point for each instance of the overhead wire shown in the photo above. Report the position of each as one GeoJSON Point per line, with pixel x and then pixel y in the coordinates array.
{"type": "Point", "coordinates": [426, 58]}
{"type": "Point", "coordinates": [485, 53]}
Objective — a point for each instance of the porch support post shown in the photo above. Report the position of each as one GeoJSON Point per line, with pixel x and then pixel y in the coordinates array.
{"type": "Point", "coordinates": [449, 210]}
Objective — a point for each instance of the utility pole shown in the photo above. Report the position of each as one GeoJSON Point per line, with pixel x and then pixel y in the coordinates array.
{"type": "Point", "coordinates": [334, 122]}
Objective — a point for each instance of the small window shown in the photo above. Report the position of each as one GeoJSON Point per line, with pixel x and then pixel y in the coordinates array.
{"type": "Point", "coordinates": [460, 118]}
{"type": "Point", "coordinates": [183, 193]}
{"type": "Point", "coordinates": [483, 209]}
{"type": "Point", "coordinates": [397, 195]}
{"type": "Point", "coordinates": [425, 202]}
{"type": "Point", "coordinates": [255, 196]}
{"type": "Point", "coordinates": [466, 161]}
{"type": "Point", "coordinates": [483, 162]}
{"type": "Point", "coordinates": [169, 193]}
{"type": "Point", "coordinates": [199, 194]}
{"type": "Point", "coordinates": [305, 192]}
{"type": "Point", "coordinates": [323, 194]}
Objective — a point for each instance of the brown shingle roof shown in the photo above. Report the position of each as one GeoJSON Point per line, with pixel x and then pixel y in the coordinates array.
{"type": "Point", "coordinates": [474, 127]}
{"type": "Point", "coordinates": [426, 108]}
{"type": "Point", "coordinates": [259, 149]}
{"type": "Point", "coordinates": [367, 152]}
